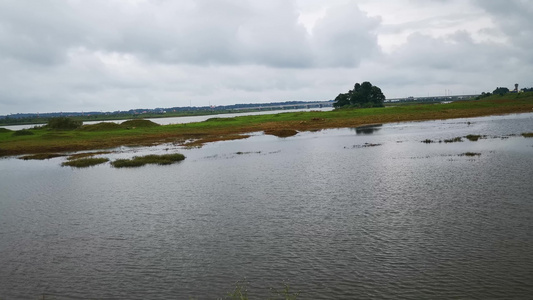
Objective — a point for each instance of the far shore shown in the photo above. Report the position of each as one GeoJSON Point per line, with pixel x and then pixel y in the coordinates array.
{"type": "Point", "coordinates": [42, 140]}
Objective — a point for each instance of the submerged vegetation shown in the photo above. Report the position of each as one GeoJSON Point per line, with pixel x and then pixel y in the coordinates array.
{"type": "Point", "coordinates": [139, 161]}
{"type": "Point", "coordinates": [146, 133]}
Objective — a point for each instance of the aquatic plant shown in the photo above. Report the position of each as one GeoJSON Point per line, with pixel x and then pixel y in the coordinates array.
{"type": "Point", "coordinates": [473, 137]}
{"type": "Point", "coordinates": [139, 161]}
{"type": "Point", "coordinates": [428, 141]}
{"type": "Point", "coordinates": [527, 134]}
{"type": "Point", "coordinates": [85, 162]}
{"type": "Point", "coordinates": [86, 154]}
{"type": "Point", "coordinates": [470, 154]}
{"type": "Point", "coordinates": [454, 140]}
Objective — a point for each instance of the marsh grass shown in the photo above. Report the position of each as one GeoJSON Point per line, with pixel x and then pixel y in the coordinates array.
{"type": "Point", "coordinates": [85, 162]}
{"type": "Point", "coordinates": [282, 133]}
{"type": "Point", "coordinates": [138, 124]}
{"type": "Point", "coordinates": [102, 126]}
{"type": "Point", "coordinates": [139, 161]}
{"type": "Point", "coordinates": [87, 154]}
{"type": "Point", "coordinates": [3, 130]}
{"type": "Point", "coordinates": [470, 154]}
{"type": "Point", "coordinates": [474, 137]}
{"type": "Point", "coordinates": [527, 134]}
{"type": "Point", "coordinates": [41, 156]}
{"type": "Point", "coordinates": [454, 140]}
{"type": "Point", "coordinates": [23, 132]}
{"type": "Point", "coordinates": [428, 141]}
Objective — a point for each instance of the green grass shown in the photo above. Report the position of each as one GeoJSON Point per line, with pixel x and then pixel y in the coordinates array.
{"type": "Point", "coordinates": [138, 124]}
{"type": "Point", "coordinates": [85, 162]}
{"type": "Point", "coordinates": [23, 132]}
{"type": "Point", "coordinates": [139, 161]}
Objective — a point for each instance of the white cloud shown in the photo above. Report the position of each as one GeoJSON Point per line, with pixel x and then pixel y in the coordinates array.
{"type": "Point", "coordinates": [60, 55]}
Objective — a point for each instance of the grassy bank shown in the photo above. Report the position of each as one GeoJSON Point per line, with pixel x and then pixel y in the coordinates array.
{"type": "Point", "coordinates": [195, 134]}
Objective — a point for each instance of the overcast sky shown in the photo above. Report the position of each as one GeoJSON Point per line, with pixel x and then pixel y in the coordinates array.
{"type": "Point", "coordinates": [105, 55]}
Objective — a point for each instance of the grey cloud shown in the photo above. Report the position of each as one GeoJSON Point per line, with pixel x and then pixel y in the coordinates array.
{"type": "Point", "coordinates": [202, 32]}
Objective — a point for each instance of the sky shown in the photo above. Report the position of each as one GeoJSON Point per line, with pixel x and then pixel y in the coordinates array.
{"type": "Point", "coordinates": [107, 55]}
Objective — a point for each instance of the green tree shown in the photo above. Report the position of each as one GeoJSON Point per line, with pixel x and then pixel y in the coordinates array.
{"type": "Point", "coordinates": [501, 91]}
{"type": "Point", "coordinates": [363, 95]}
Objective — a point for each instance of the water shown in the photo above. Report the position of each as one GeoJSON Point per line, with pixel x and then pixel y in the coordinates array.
{"type": "Point", "coordinates": [321, 211]}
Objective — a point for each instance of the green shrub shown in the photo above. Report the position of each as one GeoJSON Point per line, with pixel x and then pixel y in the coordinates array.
{"type": "Point", "coordinates": [63, 123]}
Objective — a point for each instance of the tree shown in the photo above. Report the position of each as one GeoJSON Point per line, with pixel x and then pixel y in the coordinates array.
{"type": "Point", "coordinates": [501, 91]}
{"type": "Point", "coordinates": [363, 95]}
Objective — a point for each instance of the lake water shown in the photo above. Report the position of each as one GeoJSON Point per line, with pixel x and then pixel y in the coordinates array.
{"type": "Point", "coordinates": [337, 214]}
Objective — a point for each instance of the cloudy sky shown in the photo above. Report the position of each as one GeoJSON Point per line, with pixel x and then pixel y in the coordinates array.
{"type": "Point", "coordinates": [105, 55]}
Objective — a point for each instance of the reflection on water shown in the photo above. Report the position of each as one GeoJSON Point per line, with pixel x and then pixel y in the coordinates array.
{"type": "Point", "coordinates": [402, 220]}
{"type": "Point", "coordinates": [369, 129]}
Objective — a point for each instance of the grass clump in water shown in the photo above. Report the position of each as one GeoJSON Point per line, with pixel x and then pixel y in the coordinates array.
{"type": "Point", "coordinates": [87, 154]}
{"type": "Point", "coordinates": [282, 133]}
{"type": "Point", "coordinates": [474, 137]}
{"type": "Point", "coordinates": [454, 140]}
{"type": "Point", "coordinates": [527, 134]}
{"type": "Point", "coordinates": [428, 141]}
{"type": "Point", "coordinates": [470, 154]}
{"type": "Point", "coordinates": [85, 162]}
{"type": "Point", "coordinates": [139, 161]}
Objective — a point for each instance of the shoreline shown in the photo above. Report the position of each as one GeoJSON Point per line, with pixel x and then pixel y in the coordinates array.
{"type": "Point", "coordinates": [220, 129]}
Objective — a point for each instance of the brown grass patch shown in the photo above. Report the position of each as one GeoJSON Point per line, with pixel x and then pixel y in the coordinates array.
{"type": "Point", "coordinates": [282, 133]}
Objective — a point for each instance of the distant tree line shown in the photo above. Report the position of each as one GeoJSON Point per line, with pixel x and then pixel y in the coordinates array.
{"type": "Point", "coordinates": [501, 91]}
{"type": "Point", "coordinates": [363, 95]}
